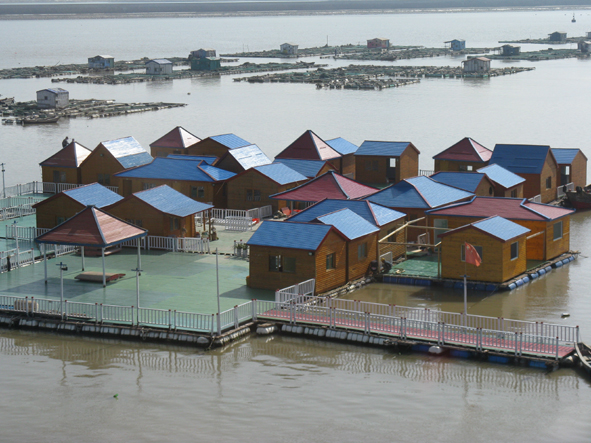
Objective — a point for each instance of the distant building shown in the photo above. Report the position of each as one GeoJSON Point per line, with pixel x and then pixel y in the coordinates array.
{"type": "Point", "coordinates": [159, 67]}
{"type": "Point", "coordinates": [101, 62]}
{"type": "Point", "coordinates": [584, 46]}
{"type": "Point", "coordinates": [64, 166]}
{"type": "Point", "coordinates": [572, 165]}
{"type": "Point", "coordinates": [54, 98]}
{"type": "Point", "coordinates": [382, 162]}
{"type": "Point", "coordinates": [557, 37]}
{"type": "Point", "coordinates": [509, 50]}
{"type": "Point", "coordinates": [289, 49]}
{"type": "Point", "coordinates": [310, 146]}
{"type": "Point", "coordinates": [206, 64]}
{"type": "Point", "coordinates": [457, 45]}
{"type": "Point", "coordinates": [173, 142]}
{"type": "Point", "coordinates": [217, 145]}
{"type": "Point", "coordinates": [378, 43]}
{"type": "Point", "coordinates": [202, 53]}
{"type": "Point", "coordinates": [476, 64]}
{"type": "Point", "coordinates": [589, 34]}
{"type": "Point", "coordinates": [467, 155]}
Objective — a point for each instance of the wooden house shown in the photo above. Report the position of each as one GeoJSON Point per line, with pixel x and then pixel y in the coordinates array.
{"type": "Point", "coordinates": [584, 46]}
{"type": "Point", "coordinates": [206, 64]}
{"type": "Point", "coordinates": [347, 150]}
{"type": "Point", "coordinates": [510, 50]}
{"type": "Point", "coordinates": [414, 196]}
{"type": "Point", "coordinates": [308, 168]}
{"type": "Point", "coordinates": [467, 155]}
{"type": "Point", "coordinates": [53, 98]}
{"type": "Point", "coordinates": [192, 178]}
{"type": "Point", "coordinates": [474, 182]}
{"type": "Point", "coordinates": [217, 145]}
{"type": "Point", "coordinates": [476, 64]}
{"type": "Point", "coordinates": [253, 187]}
{"type": "Point", "coordinates": [159, 66]}
{"type": "Point", "coordinates": [240, 159]}
{"type": "Point", "coordinates": [549, 225]}
{"type": "Point", "coordinates": [310, 146]}
{"type": "Point", "coordinates": [500, 243]}
{"type": "Point", "coordinates": [456, 45]}
{"type": "Point", "coordinates": [506, 184]}
{"type": "Point", "coordinates": [110, 157]}
{"type": "Point", "coordinates": [572, 166]}
{"type": "Point", "coordinates": [330, 185]}
{"type": "Point", "coordinates": [161, 210]}
{"type": "Point", "coordinates": [559, 37]}
{"type": "Point", "coordinates": [378, 43]}
{"type": "Point", "coordinates": [536, 164]}
{"type": "Point", "coordinates": [202, 53]}
{"type": "Point", "coordinates": [173, 142]}
{"type": "Point", "coordinates": [64, 166]}
{"type": "Point", "coordinates": [101, 62]}
{"type": "Point", "coordinates": [385, 219]}
{"type": "Point", "coordinates": [60, 207]}
{"type": "Point", "coordinates": [382, 162]}
{"type": "Point", "coordinates": [289, 49]}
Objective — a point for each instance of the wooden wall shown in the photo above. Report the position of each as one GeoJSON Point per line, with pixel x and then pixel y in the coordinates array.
{"type": "Point", "coordinates": [456, 166]}
{"type": "Point", "coordinates": [347, 165]}
{"type": "Point", "coordinates": [357, 268]}
{"type": "Point", "coordinates": [556, 247]}
{"type": "Point", "coordinates": [374, 169]}
{"type": "Point", "coordinates": [72, 174]}
{"type": "Point", "coordinates": [486, 188]}
{"type": "Point", "coordinates": [327, 279]}
{"type": "Point", "coordinates": [408, 165]}
{"type": "Point", "coordinates": [131, 185]}
{"type": "Point", "coordinates": [54, 207]}
{"type": "Point", "coordinates": [229, 163]}
{"type": "Point", "coordinates": [501, 191]}
{"type": "Point", "coordinates": [100, 161]}
{"type": "Point", "coordinates": [578, 171]}
{"type": "Point", "coordinates": [207, 147]}
{"type": "Point", "coordinates": [535, 184]}
{"type": "Point", "coordinates": [396, 250]}
{"type": "Point", "coordinates": [161, 151]}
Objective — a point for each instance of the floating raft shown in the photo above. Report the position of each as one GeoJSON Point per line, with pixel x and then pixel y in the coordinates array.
{"type": "Point", "coordinates": [97, 277]}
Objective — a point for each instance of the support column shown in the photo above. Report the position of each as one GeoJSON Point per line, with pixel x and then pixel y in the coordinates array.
{"type": "Point", "coordinates": [104, 273]}
{"type": "Point", "coordinates": [45, 261]}
{"type": "Point", "coordinates": [139, 256]}
{"type": "Point", "coordinates": [82, 254]}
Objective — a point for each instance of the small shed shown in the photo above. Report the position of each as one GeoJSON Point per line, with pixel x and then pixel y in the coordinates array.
{"type": "Point", "coordinates": [467, 155]}
{"type": "Point", "coordinates": [310, 146]}
{"type": "Point", "coordinates": [572, 166]}
{"type": "Point", "coordinates": [110, 157]}
{"type": "Point", "coordinates": [500, 243]}
{"type": "Point", "coordinates": [510, 50]}
{"type": "Point", "coordinates": [584, 46]}
{"type": "Point", "coordinates": [217, 145]}
{"type": "Point", "coordinates": [506, 183]}
{"type": "Point", "coordinates": [60, 207]}
{"type": "Point", "coordinates": [456, 45]}
{"type": "Point", "coordinates": [202, 53]}
{"type": "Point", "coordinates": [289, 49]}
{"type": "Point", "coordinates": [559, 37]}
{"type": "Point", "coordinates": [206, 64]}
{"type": "Point", "coordinates": [476, 64]}
{"type": "Point", "coordinates": [53, 98]}
{"type": "Point", "coordinates": [175, 141]}
{"type": "Point", "coordinates": [253, 187]}
{"type": "Point", "coordinates": [378, 43]}
{"type": "Point", "coordinates": [240, 159]}
{"type": "Point", "coordinates": [101, 62]}
{"type": "Point", "coordinates": [476, 183]}
{"type": "Point", "coordinates": [64, 166]}
{"type": "Point", "coordinates": [382, 162]}
{"type": "Point", "coordinates": [308, 168]}
{"type": "Point", "coordinates": [162, 211]}
{"type": "Point", "coordinates": [159, 66]}
{"type": "Point", "coordinates": [347, 151]}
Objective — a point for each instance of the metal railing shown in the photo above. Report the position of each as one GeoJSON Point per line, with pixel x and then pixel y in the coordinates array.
{"type": "Point", "coordinates": [36, 187]}
{"type": "Point", "coordinates": [302, 291]}
{"type": "Point", "coordinates": [426, 172]}
{"type": "Point", "coordinates": [190, 244]}
{"type": "Point", "coordinates": [536, 199]}
{"type": "Point", "coordinates": [26, 233]}
{"type": "Point", "coordinates": [11, 202]}
{"type": "Point", "coordinates": [562, 190]}
{"type": "Point", "coordinates": [17, 258]}
{"type": "Point", "coordinates": [16, 212]}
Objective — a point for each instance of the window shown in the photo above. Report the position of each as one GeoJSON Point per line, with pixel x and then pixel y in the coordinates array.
{"type": "Point", "coordinates": [557, 230]}
{"type": "Point", "coordinates": [549, 182]}
{"type": "Point", "coordinates": [139, 223]}
{"type": "Point", "coordinates": [104, 179]}
{"type": "Point", "coordinates": [249, 195]}
{"type": "Point", "coordinates": [59, 220]}
{"type": "Point", "coordinates": [478, 249]}
{"type": "Point", "coordinates": [331, 261]}
{"type": "Point", "coordinates": [514, 193]}
{"type": "Point", "coordinates": [275, 263]}
{"type": "Point", "coordinates": [257, 195]}
{"type": "Point", "coordinates": [175, 224]}
{"type": "Point", "coordinates": [147, 186]}
{"type": "Point", "coordinates": [393, 162]}
{"type": "Point", "coordinates": [490, 190]}
{"type": "Point", "coordinates": [362, 251]}
{"type": "Point", "coordinates": [514, 250]}
{"type": "Point", "coordinates": [193, 191]}
{"type": "Point", "coordinates": [371, 165]}
{"type": "Point", "coordinates": [200, 192]}
{"type": "Point", "coordinates": [440, 223]}
{"type": "Point", "coordinates": [289, 264]}
{"type": "Point", "coordinates": [469, 168]}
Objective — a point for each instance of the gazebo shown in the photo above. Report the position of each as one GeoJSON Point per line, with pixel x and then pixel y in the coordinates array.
{"type": "Point", "coordinates": [94, 228]}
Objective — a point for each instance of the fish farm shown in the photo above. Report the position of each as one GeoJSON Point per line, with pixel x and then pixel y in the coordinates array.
{"type": "Point", "coordinates": [409, 53]}
{"type": "Point", "coordinates": [544, 54]}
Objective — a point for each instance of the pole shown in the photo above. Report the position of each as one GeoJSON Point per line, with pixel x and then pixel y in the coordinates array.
{"type": "Point", "coordinates": [82, 254]}
{"type": "Point", "coordinates": [217, 277]}
{"type": "Point", "coordinates": [465, 300]}
{"type": "Point", "coordinates": [104, 272]}
{"type": "Point", "coordinates": [61, 265]}
{"type": "Point", "coordinates": [138, 272]}
{"type": "Point", "coordinates": [3, 183]}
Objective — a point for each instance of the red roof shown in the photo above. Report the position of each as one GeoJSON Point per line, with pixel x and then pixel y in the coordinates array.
{"type": "Point", "coordinates": [177, 138]}
{"type": "Point", "coordinates": [328, 185]}
{"type": "Point", "coordinates": [309, 147]}
{"type": "Point", "coordinates": [92, 227]}
{"type": "Point", "coordinates": [466, 150]}
{"type": "Point", "coordinates": [69, 157]}
{"type": "Point", "coordinates": [509, 208]}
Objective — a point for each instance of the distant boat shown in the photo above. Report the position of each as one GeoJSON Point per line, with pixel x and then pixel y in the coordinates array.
{"type": "Point", "coordinates": [40, 120]}
{"type": "Point", "coordinates": [580, 198]}
{"type": "Point", "coordinates": [574, 20]}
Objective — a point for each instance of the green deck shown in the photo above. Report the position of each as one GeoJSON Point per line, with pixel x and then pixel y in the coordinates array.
{"type": "Point", "coordinates": [425, 266]}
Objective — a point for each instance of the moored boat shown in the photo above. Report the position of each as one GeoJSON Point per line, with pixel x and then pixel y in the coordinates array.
{"type": "Point", "coordinates": [580, 198]}
{"type": "Point", "coordinates": [584, 353]}
{"type": "Point", "coordinates": [40, 120]}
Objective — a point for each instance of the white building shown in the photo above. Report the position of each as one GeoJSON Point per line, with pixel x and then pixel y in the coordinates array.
{"type": "Point", "coordinates": [101, 62]}
{"type": "Point", "coordinates": [289, 49]}
{"type": "Point", "coordinates": [159, 67]}
{"type": "Point", "coordinates": [476, 64]}
{"type": "Point", "coordinates": [54, 98]}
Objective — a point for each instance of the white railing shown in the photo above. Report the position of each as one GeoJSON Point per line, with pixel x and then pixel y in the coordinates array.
{"type": "Point", "coordinates": [562, 190]}
{"type": "Point", "coordinates": [426, 172]}
{"type": "Point", "coordinates": [238, 219]}
{"type": "Point", "coordinates": [16, 212]}
{"type": "Point", "coordinates": [175, 244]}
{"type": "Point", "coordinates": [261, 213]}
{"type": "Point", "coordinates": [11, 202]}
{"type": "Point", "coordinates": [536, 199]}
{"type": "Point", "coordinates": [190, 244]}
{"type": "Point", "coordinates": [27, 233]}
{"type": "Point", "coordinates": [16, 257]}
{"type": "Point", "coordinates": [43, 188]}
{"type": "Point", "coordinates": [166, 243]}
{"type": "Point", "coordinates": [303, 289]}
{"type": "Point", "coordinates": [238, 224]}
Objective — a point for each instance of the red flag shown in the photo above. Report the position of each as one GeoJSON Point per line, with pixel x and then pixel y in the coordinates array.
{"type": "Point", "coordinates": [471, 255]}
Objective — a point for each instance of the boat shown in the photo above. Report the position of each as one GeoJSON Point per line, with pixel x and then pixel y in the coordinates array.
{"type": "Point", "coordinates": [584, 353]}
{"type": "Point", "coordinates": [40, 120]}
{"type": "Point", "coordinates": [574, 20]}
{"type": "Point", "coordinates": [580, 198]}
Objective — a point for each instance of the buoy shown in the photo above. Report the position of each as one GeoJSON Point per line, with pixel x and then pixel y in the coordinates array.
{"type": "Point", "coordinates": [565, 314]}
{"type": "Point", "coordinates": [435, 350]}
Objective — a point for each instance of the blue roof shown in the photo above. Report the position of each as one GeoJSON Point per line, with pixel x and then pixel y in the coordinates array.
{"type": "Point", "coordinates": [389, 149]}
{"type": "Point", "coordinates": [306, 236]}
{"type": "Point", "coordinates": [160, 61]}
{"type": "Point", "coordinates": [249, 156]}
{"type": "Point", "coordinates": [128, 152]}
{"type": "Point", "coordinates": [342, 146]}
{"type": "Point", "coordinates": [209, 159]}
{"type": "Point", "coordinates": [308, 168]}
{"type": "Point", "coordinates": [565, 156]}
{"type": "Point", "coordinates": [95, 195]}
{"type": "Point", "coordinates": [165, 168]}
{"type": "Point", "coordinates": [418, 192]}
{"type": "Point", "coordinates": [348, 223]}
{"type": "Point", "coordinates": [230, 141]}
{"type": "Point", "coordinates": [376, 214]}
{"type": "Point", "coordinates": [54, 90]}
{"type": "Point", "coordinates": [501, 228]}
{"type": "Point", "coordinates": [520, 159]}
{"type": "Point", "coordinates": [468, 181]}
{"type": "Point", "coordinates": [167, 200]}
{"type": "Point", "coordinates": [502, 176]}
{"type": "Point", "coordinates": [280, 173]}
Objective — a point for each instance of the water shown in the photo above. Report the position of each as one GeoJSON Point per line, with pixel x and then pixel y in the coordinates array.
{"type": "Point", "coordinates": [291, 389]}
